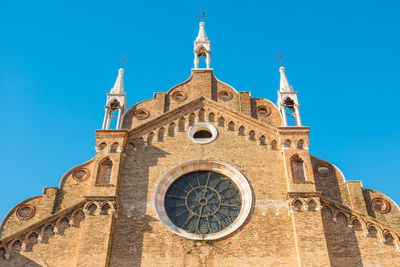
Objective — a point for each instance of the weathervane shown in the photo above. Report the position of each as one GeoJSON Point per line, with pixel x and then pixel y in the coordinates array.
{"type": "Point", "coordinates": [202, 15]}
{"type": "Point", "coordinates": [280, 57]}
{"type": "Point", "coordinates": [123, 58]}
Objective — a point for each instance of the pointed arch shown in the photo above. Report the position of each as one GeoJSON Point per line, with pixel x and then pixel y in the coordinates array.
{"type": "Point", "coordinates": [241, 131]}
{"type": "Point", "coordinates": [252, 135]}
{"type": "Point", "coordinates": [192, 119]}
{"type": "Point", "coordinates": [300, 144]}
{"type": "Point", "coordinates": [211, 117]}
{"type": "Point", "coordinates": [274, 145]}
{"type": "Point", "coordinates": [181, 124]}
{"type": "Point", "coordinates": [171, 129]}
{"type": "Point", "coordinates": [262, 140]}
{"type": "Point", "coordinates": [104, 171]}
{"type": "Point", "coordinates": [114, 147]}
{"type": "Point", "coordinates": [231, 126]}
{"type": "Point", "coordinates": [160, 135]}
{"type": "Point", "coordinates": [150, 138]}
{"type": "Point", "coordinates": [287, 143]}
{"type": "Point", "coordinates": [221, 121]}
{"type": "Point", "coordinates": [298, 172]}
{"type": "Point", "coordinates": [201, 115]}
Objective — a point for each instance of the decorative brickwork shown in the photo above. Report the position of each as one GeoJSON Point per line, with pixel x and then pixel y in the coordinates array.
{"type": "Point", "coordinates": [295, 209]}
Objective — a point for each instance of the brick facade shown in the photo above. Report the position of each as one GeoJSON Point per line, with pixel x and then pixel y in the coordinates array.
{"type": "Point", "coordinates": [303, 211]}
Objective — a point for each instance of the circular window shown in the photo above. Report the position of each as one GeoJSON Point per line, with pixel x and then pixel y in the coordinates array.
{"type": "Point", "coordinates": [380, 205]}
{"type": "Point", "coordinates": [263, 110]}
{"type": "Point", "coordinates": [203, 133]}
{"type": "Point", "coordinates": [224, 95]}
{"type": "Point", "coordinates": [203, 200]}
{"type": "Point", "coordinates": [179, 96]}
{"type": "Point", "coordinates": [323, 169]}
{"type": "Point", "coordinates": [25, 211]}
{"type": "Point", "coordinates": [81, 174]}
{"type": "Point", "coordinates": [142, 114]}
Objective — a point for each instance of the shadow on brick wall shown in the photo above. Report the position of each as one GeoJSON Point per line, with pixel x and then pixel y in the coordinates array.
{"type": "Point", "coordinates": [132, 223]}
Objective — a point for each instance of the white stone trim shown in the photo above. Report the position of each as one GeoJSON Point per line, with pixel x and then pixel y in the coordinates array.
{"type": "Point", "coordinates": [203, 126]}
{"type": "Point", "coordinates": [177, 172]}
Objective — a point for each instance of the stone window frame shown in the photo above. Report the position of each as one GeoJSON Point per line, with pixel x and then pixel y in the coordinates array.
{"type": "Point", "coordinates": [175, 95]}
{"type": "Point", "coordinates": [23, 206]}
{"type": "Point", "coordinates": [203, 126]}
{"type": "Point", "coordinates": [229, 94]}
{"type": "Point", "coordinates": [78, 170]}
{"type": "Point", "coordinates": [316, 167]}
{"type": "Point", "coordinates": [263, 107]}
{"type": "Point", "coordinates": [203, 165]}
{"type": "Point", "coordinates": [385, 202]}
{"type": "Point", "coordinates": [147, 114]}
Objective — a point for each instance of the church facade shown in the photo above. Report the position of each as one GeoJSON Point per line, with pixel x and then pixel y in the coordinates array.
{"type": "Point", "coordinates": [203, 175]}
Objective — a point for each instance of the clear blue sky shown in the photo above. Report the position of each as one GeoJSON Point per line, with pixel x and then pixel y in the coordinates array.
{"type": "Point", "coordinates": [58, 59]}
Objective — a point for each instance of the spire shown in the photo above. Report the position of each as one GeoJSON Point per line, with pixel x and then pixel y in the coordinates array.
{"type": "Point", "coordinates": [202, 47]}
{"type": "Point", "coordinates": [116, 102]}
{"type": "Point", "coordinates": [284, 87]}
{"type": "Point", "coordinates": [287, 101]}
{"type": "Point", "coordinates": [202, 37]}
{"type": "Point", "coordinates": [119, 83]}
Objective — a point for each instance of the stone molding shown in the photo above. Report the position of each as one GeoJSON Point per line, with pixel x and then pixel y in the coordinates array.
{"type": "Point", "coordinates": [91, 206]}
{"type": "Point", "coordinates": [335, 208]}
{"type": "Point", "coordinates": [191, 166]}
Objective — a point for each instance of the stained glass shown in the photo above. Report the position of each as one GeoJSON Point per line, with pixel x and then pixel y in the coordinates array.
{"type": "Point", "coordinates": [203, 202]}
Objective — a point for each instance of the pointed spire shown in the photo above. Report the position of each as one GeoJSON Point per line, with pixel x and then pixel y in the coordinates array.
{"type": "Point", "coordinates": [202, 47]}
{"type": "Point", "coordinates": [202, 37]}
{"type": "Point", "coordinates": [119, 83]}
{"type": "Point", "coordinates": [285, 86]}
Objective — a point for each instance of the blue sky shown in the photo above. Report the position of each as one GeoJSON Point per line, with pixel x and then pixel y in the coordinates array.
{"type": "Point", "coordinates": [58, 59]}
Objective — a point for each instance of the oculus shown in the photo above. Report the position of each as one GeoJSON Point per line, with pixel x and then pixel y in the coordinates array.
{"type": "Point", "coordinates": [263, 110]}
{"type": "Point", "coordinates": [203, 133]}
{"type": "Point", "coordinates": [25, 211]}
{"type": "Point", "coordinates": [179, 96]}
{"type": "Point", "coordinates": [203, 202]}
{"type": "Point", "coordinates": [380, 205]}
{"type": "Point", "coordinates": [81, 174]}
{"type": "Point", "coordinates": [224, 95]}
{"type": "Point", "coordinates": [142, 114]}
{"type": "Point", "coordinates": [323, 169]}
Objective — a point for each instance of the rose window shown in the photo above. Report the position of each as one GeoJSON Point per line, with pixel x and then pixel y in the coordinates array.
{"type": "Point", "coordinates": [203, 202]}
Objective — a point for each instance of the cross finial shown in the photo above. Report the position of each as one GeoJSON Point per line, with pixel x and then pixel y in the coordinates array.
{"type": "Point", "coordinates": [202, 15]}
{"type": "Point", "coordinates": [123, 58]}
{"type": "Point", "coordinates": [280, 57]}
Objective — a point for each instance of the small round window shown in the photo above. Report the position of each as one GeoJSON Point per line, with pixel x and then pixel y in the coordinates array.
{"type": "Point", "coordinates": [179, 96]}
{"type": "Point", "coordinates": [323, 169]}
{"type": "Point", "coordinates": [263, 110]}
{"type": "Point", "coordinates": [142, 114]}
{"type": "Point", "coordinates": [203, 133]}
{"type": "Point", "coordinates": [81, 174]}
{"type": "Point", "coordinates": [380, 205]}
{"type": "Point", "coordinates": [25, 211]}
{"type": "Point", "coordinates": [224, 95]}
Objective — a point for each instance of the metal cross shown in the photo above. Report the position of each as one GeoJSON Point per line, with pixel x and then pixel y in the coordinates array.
{"type": "Point", "coordinates": [280, 57]}
{"type": "Point", "coordinates": [123, 58]}
{"type": "Point", "coordinates": [202, 15]}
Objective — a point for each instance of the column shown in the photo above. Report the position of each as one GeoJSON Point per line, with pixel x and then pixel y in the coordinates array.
{"type": "Point", "coordinates": [297, 112]}
{"type": "Point", "coordinates": [196, 60]}
{"type": "Point", "coordinates": [105, 119]}
{"type": "Point", "coordinates": [284, 119]}
{"type": "Point", "coordinates": [121, 112]}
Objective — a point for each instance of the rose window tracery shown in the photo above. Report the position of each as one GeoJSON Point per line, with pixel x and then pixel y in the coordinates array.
{"type": "Point", "coordinates": [203, 202]}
